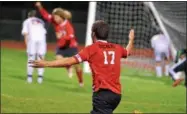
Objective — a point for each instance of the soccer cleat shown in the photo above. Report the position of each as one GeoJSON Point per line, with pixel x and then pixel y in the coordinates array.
{"type": "Point", "coordinates": [177, 82]}
{"type": "Point", "coordinates": [81, 84]}
{"type": "Point", "coordinates": [137, 112]}
{"type": "Point", "coordinates": [40, 80]}
{"type": "Point", "coordinates": [29, 80]}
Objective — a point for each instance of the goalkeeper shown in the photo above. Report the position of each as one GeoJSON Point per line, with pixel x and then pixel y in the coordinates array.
{"type": "Point", "coordinates": [178, 67]}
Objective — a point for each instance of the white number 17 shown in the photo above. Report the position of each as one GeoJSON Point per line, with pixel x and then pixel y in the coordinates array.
{"type": "Point", "coordinates": [106, 53]}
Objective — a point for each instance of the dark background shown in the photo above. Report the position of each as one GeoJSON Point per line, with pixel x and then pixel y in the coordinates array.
{"type": "Point", "coordinates": [12, 15]}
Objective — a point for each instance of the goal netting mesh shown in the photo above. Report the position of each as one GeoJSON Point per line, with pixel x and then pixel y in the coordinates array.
{"type": "Point", "coordinates": [173, 16]}
{"type": "Point", "coordinates": [122, 16]}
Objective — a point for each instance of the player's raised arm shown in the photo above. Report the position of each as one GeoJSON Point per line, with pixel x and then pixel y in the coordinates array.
{"type": "Point", "coordinates": [131, 42]}
{"type": "Point", "coordinates": [43, 12]}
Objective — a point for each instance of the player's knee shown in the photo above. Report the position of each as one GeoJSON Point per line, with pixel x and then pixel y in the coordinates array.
{"type": "Point", "coordinates": [78, 67]}
{"type": "Point", "coordinates": [31, 56]}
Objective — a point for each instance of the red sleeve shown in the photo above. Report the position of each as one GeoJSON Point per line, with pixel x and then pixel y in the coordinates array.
{"type": "Point", "coordinates": [46, 15]}
{"type": "Point", "coordinates": [83, 55]}
{"type": "Point", "coordinates": [123, 52]}
{"type": "Point", "coordinates": [70, 31]}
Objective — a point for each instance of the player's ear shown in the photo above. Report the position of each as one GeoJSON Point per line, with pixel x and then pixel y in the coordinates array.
{"type": "Point", "coordinates": [93, 37]}
{"type": "Point", "coordinates": [93, 34]}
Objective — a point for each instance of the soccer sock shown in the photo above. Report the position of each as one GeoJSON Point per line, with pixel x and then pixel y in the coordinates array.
{"type": "Point", "coordinates": [70, 71]}
{"type": "Point", "coordinates": [40, 70]}
{"type": "Point", "coordinates": [159, 71]}
{"type": "Point", "coordinates": [30, 69]}
{"type": "Point", "coordinates": [79, 75]}
{"type": "Point", "coordinates": [167, 70]}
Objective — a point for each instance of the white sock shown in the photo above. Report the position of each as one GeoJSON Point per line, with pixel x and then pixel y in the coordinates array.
{"type": "Point", "coordinates": [70, 72]}
{"type": "Point", "coordinates": [30, 69]}
{"type": "Point", "coordinates": [40, 70]}
{"type": "Point", "coordinates": [167, 70]}
{"type": "Point", "coordinates": [159, 71]}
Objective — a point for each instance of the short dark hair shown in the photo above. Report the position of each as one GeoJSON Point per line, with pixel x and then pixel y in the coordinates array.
{"type": "Point", "coordinates": [101, 29]}
{"type": "Point", "coordinates": [32, 13]}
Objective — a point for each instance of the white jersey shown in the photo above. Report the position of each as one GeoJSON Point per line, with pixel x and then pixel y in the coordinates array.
{"type": "Point", "coordinates": [159, 42]}
{"type": "Point", "coordinates": [35, 29]}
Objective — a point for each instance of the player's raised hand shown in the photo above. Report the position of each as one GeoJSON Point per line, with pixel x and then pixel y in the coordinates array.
{"type": "Point", "coordinates": [38, 4]}
{"type": "Point", "coordinates": [131, 34]}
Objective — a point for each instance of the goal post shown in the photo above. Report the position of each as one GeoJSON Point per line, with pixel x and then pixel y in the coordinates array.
{"type": "Point", "coordinates": [90, 21]}
{"type": "Point", "coordinates": [147, 19]}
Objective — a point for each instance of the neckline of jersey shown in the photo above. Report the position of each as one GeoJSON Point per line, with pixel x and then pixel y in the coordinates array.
{"type": "Point", "coordinates": [102, 41]}
{"type": "Point", "coordinates": [62, 24]}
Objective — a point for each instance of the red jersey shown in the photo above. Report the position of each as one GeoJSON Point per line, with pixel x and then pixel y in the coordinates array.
{"type": "Point", "coordinates": [104, 59]}
{"type": "Point", "coordinates": [65, 28]}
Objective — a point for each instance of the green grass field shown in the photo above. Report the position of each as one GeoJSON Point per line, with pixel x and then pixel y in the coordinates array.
{"type": "Point", "coordinates": [61, 94]}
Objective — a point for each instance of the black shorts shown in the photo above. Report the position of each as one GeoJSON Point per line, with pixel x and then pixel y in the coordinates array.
{"type": "Point", "coordinates": [105, 102]}
{"type": "Point", "coordinates": [182, 66]}
{"type": "Point", "coordinates": [66, 52]}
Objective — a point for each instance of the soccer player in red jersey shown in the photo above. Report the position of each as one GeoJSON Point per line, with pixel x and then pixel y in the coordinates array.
{"type": "Point", "coordinates": [66, 41]}
{"type": "Point", "coordinates": [104, 59]}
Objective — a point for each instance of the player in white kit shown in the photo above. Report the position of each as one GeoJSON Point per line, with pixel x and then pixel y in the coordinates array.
{"type": "Point", "coordinates": [34, 33]}
{"type": "Point", "coordinates": [161, 47]}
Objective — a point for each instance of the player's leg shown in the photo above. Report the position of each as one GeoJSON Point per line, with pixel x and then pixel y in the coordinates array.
{"type": "Point", "coordinates": [61, 53]}
{"type": "Point", "coordinates": [158, 64]}
{"type": "Point", "coordinates": [78, 69]}
{"type": "Point", "coordinates": [79, 73]}
{"type": "Point", "coordinates": [41, 51]}
{"type": "Point", "coordinates": [31, 52]}
{"type": "Point", "coordinates": [180, 66]}
{"type": "Point", "coordinates": [70, 71]}
{"type": "Point", "coordinates": [166, 62]}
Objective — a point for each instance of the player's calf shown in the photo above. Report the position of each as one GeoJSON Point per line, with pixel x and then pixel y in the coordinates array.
{"type": "Point", "coordinates": [30, 69]}
{"type": "Point", "coordinates": [79, 75]}
{"type": "Point", "coordinates": [40, 70]}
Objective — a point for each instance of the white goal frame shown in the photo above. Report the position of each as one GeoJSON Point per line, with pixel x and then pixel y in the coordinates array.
{"type": "Point", "coordinates": [91, 19]}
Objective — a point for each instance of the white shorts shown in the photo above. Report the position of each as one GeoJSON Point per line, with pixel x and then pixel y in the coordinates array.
{"type": "Point", "coordinates": [161, 55]}
{"type": "Point", "coordinates": [36, 47]}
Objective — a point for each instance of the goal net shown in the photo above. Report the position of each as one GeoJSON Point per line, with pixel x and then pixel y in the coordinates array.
{"type": "Point", "coordinates": [123, 16]}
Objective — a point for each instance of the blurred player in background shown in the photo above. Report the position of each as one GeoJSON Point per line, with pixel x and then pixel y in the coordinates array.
{"type": "Point", "coordinates": [34, 33]}
{"type": "Point", "coordinates": [102, 57]}
{"type": "Point", "coordinates": [179, 66]}
{"type": "Point", "coordinates": [66, 41]}
{"type": "Point", "coordinates": [161, 47]}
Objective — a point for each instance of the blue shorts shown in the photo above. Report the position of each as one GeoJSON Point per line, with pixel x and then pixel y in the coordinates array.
{"type": "Point", "coordinates": [66, 52]}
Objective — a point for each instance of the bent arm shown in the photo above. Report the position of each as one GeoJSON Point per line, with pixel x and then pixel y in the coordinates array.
{"type": "Point", "coordinates": [25, 35]}
{"type": "Point", "coordinates": [45, 14]}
